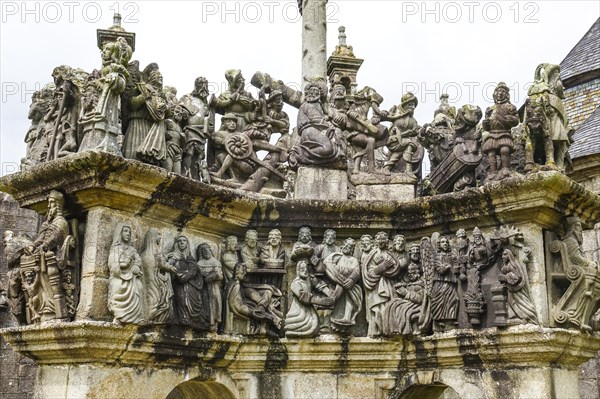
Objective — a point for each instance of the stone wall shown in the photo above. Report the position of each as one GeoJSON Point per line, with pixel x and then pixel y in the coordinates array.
{"type": "Point", "coordinates": [580, 101]}
{"type": "Point", "coordinates": [17, 373]}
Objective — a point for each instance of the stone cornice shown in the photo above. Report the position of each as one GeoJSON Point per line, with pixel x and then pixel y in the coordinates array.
{"type": "Point", "coordinates": [94, 179]}
{"type": "Point", "coordinates": [108, 344]}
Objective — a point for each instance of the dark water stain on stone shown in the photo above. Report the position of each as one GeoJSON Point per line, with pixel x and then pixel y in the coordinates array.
{"type": "Point", "coordinates": [470, 355]}
{"type": "Point", "coordinates": [156, 195]}
{"type": "Point", "coordinates": [425, 359]}
{"type": "Point", "coordinates": [502, 384]}
{"type": "Point", "coordinates": [269, 381]}
{"type": "Point", "coordinates": [342, 358]}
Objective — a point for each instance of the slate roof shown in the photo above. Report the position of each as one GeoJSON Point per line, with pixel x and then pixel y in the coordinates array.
{"type": "Point", "coordinates": [587, 137]}
{"type": "Point", "coordinates": [585, 56]}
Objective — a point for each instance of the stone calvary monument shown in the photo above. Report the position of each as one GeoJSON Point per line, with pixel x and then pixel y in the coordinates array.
{"type": "Point", "coordinates": [175, 261]}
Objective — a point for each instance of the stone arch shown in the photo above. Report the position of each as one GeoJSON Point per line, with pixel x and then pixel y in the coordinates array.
{"type": "Point", "coordinates": [429, 391]}
{"type": "Point", "coordinates": [195, 389]}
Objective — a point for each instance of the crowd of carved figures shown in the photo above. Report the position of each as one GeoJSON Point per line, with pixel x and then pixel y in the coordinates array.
{"type": "Point", "coordinates": [125, 110]}
{"type": "Point", "coordinates": [373, 284]}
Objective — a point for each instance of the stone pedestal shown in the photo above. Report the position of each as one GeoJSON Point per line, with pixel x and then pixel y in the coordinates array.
{"type": "Point", "coordinates": [377, 186]}
{"type": "Point", "coordinates": [321, 184]}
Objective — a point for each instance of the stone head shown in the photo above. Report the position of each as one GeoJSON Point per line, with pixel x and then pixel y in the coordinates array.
{"type": "Point", "coordinates": [382, 240]}
{"type": "Point", "coordinates": [304, 235]}
{"type": "Point", "coordinates": [366, 243]}
{"type": "Point", "coordinates": [201, 87]}
{"type": "Point", "coordinates": [329, 237]}
{"type": "Point", "coordinates": [274, 238]}
{"type": "Point", "coordinates": [415, 253]}
{"type": "Point", "coordinates": [251, 238]}
{"type": "Point", "coordinates": [399, 243]}
{"type": "Point", "coordinates": [348, 246]}
{"type": "Point", "coordinates": [501, 93]}
{"type": "Point", "coordinates": [302, 269]}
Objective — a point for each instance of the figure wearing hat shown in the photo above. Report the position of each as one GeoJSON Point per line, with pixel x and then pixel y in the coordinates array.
{"type": "Point", "coordinates": [235, 99]}
{"type": "Point", "coordinates": [499, 119]}
{"type": "Point", "coordinates": [402, 142]}
{"type": "Point", "coordinates": [229, 125]}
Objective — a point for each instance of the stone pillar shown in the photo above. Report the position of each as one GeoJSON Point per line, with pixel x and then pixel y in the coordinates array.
{"type": "Point", "coordinates": [314, 39]}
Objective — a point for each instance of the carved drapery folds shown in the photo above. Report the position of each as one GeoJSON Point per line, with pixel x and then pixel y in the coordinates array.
{"type": "Point", "coordinates": [278, 288]}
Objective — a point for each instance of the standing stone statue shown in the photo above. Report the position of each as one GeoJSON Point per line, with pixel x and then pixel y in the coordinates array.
{"type": "Point", "coordinates": [145, 136]}
{"type": "Point", "coordinates": [499, 120]}
{"type": "Point", "coordinates": [302, 319]}
{"type": "Point", "coordinates": [438, 136]}
{"type": "Point", "coordinates": [548, 132]}
{"type": "Point", "coordinates": [323, 250]}
{"type": "Point", "coordinates": [444, 292]}
{"type": "Point", "coordinates": [175, 138]}
{"type": "Point", "coordinates": [378, 269]}
{"type": "Point", "coordinates": [229, 257]}
{"type": "Point", "coordinates": [157, 279]}
{"type": "Point", "coordinates": [190, 295]}
{"type": "Point", "coordinates": [212, 273]}
{"type": "Point", "coordinates": [218, 154]}
{"type": "Point", "coordinates": [125, 286]}
{"type": "Point", "coordinates": [44, 259]}
{"type": "Point", "coordinates": [513, 275]}
{"type": "Point", "coordinates": [61, 119]}
{"type": "Point", "coordinates": [101, 125]}
{"type": "Point", "coordinates": [343, 270]}
{"type": "Point", "coordinates": [482, 255]}
{"type": "Point", "coordinates": [200, 125]}
{"type": "Point", "coordinates": [402, 141]}
{"type": "Point", "coordinates": [318, 144]}
{"type": "Point", "coordinates": [250, 250]}
{"type": "Point", "coordinates": [304, 248]}
{"type": "Point", "coordinates": [36, 139]}
{"type": "Point", "coordinates": [398, 251]}
{"type": "Point", "coordinates": [402, 314]}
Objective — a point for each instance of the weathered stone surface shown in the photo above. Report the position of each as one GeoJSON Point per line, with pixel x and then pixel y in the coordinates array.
{"type": "Point", "coordinates": [333, 184]}
{"type": "Point", "coordinates": [397, 192]}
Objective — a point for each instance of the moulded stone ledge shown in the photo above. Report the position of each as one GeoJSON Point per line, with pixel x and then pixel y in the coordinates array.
{"type": "Point", "coordinates": [93, 179]}
{"type": "Point", "coordinates": [109, 344]}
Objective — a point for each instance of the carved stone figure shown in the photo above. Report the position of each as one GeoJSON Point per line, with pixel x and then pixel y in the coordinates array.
{"type": "Point", "coordinates": [513, 275]}
{"type": "Point", "coordinates": [398, 251]}
{"type": "Point", "coordinates": [235, 99]}
{"type": "Point", "coordinates": [125, 286]}
{"type": "Point", "coordinates": [49, 254]}
{"type": "Point", "coordinates": [69, 288]}
{"type": "Point", "coordinates": [444, 292]}
{"type": "Point", "coordinates": [402, 314]}
{"type": "Point", "coordinates": [304, 248]}
{"type": "Point", "coordinates": [229, 257]}
{"type": "Point", "coordinates": [272, 255]}
{"type": "Point", "coordinates": [343, 270]}
{"type": "Point", "coordinates": [250, 250]}
{"type": "Point", "coordinates": [378, 269]}
{"type": "Point", "coordinates": [365, 134]}
{"type": "Point", "coordinates": [302, 319]}
{"type": "Point", "coordinates": [101, 125]}
{"type": "Point", "coordinates": [457, 170]}
{"type": "Point", "coordinates": [36, 139]}
{"type": "Point", "coordinates": [402, 142]}
{"type": "Point", "coordinates": [218, 154]}
{"type": "Point", "coordinates": [260, 303]}
{"type": "Point", "coordinates": [499, 120]}
{"type": "Point", "coordinates": [157, 279]}
{"type": "Point", "coordinates": [14, 248]}
{"type": "Point", "coordinates": [461, 253]}
{"type": "Point", "coordinates": [481, 256]}
{"type": "Point", "coordinates": [318, 145]}
{"type": "Point", "coordinates": [548, 130]}
{"type": "Point", "coordinates": [581, 298]}
{"type": "Point", "coordinates": [175, 139]}
{"type": "Point", "coordinates": [212, 273]}
{"type": "Point", "coordinates": [323, 250]}
{"type": "Point", "coordinates": [438, 136]}
{"type": "Point", "coordinates": [199, 127]}
{"type": "Point", "coordinates": [145, 136]}
{"type": "Point", "coordinates": [190, 299]}
{"type": "Point", "coordinates": [61, 119]}
{"type": "Point", "coordinates": [275, 121]}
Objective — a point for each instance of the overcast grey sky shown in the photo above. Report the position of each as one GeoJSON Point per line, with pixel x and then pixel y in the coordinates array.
{"type": "Point", "coordinates": [461, 47]}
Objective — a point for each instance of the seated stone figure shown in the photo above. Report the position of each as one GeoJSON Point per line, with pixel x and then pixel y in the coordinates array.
{"type": "Point", "coordinates": [401, 314]}
{"type": "Point", "coordinates": [318, 144]}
